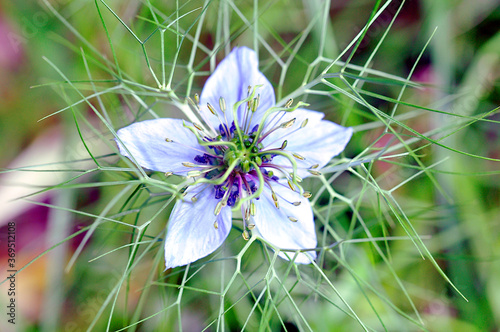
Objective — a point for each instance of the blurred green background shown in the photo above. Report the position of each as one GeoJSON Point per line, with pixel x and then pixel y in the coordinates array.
{"type": "Point", "coordinates": [460, 211]}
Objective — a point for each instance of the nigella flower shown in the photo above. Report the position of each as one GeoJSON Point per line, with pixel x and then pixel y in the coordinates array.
{"type": "Point", "coordinates": [250, 156]}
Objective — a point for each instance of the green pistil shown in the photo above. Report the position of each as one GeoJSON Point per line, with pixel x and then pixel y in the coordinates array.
{"type": "Point", "coordinates": [248, 155]}
{"type": "Point", "coordinates": [235, 113]}
{"type": "Point", "coordinates": [219, 143]}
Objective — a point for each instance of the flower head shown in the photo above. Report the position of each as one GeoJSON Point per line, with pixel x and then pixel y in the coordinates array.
{"type": "Point", "coordinates": [250, 156]}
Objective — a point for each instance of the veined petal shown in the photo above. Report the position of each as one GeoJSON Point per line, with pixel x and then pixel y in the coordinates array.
{"type": "Point", "coordinates": [318, 142]}
{"type": "Point", "coordinates": [146, 143]}
{"type": "Point", "coordinates": [230, 80]}
{"type": "Point", "coordinates": [291, 226]}
{"type": "Point", "coordinates": [191, 232]}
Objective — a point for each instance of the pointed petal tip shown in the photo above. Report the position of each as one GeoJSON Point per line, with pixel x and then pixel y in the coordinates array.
{"type": "Point", "coordinates": [230, 80]}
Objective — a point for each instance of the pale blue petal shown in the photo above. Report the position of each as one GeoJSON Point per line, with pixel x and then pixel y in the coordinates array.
{"type": "Point", "coordinates": [191, 232]}
{"type": "Point", "coordinates": [146, 143]}
{"type": "Point", "coordinates": [274, 225]}
{"type": "Point", "coordinates": [230, 80]}
{"type": "Point", "coordinates": [318, 142]}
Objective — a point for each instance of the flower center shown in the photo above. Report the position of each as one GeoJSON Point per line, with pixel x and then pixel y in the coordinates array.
{"type": "Point", "coordinates": [245, 153]}
{"type": "Point", "coordinates": [236, 163]}
{"type": "Point", "coordinates": [239, 157]}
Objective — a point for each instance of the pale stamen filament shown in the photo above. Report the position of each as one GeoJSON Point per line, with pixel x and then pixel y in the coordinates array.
{"type": "Point", "coordinates": [246, 114]}
{"type": "Point", "coordinates": [281, 137]}
{"type": "Point", "coordinates": [168, 140]}
{"type": "Point", "coordinates": [196, 106]}
{"type": "Point", "coordinates": [225, 124]}
{"type": "Point", "coordinates": [277, 118]}
{"type": "Point", "coordinates": [255, 106]}
{"type": "Point", "coordinates": [284, 125]}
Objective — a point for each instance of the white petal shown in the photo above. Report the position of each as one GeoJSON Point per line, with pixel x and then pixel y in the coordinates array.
{"type": "Point", "coordinates": [146, 143]}
{"type": "Point", "coordinates": [230, 80]}
{"type": "Point", "coordinates": [191, 232]}
{"type": "Point", "coordinates": [275, 225]}
{"type": "Point", "coordinates": [318, 142]}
